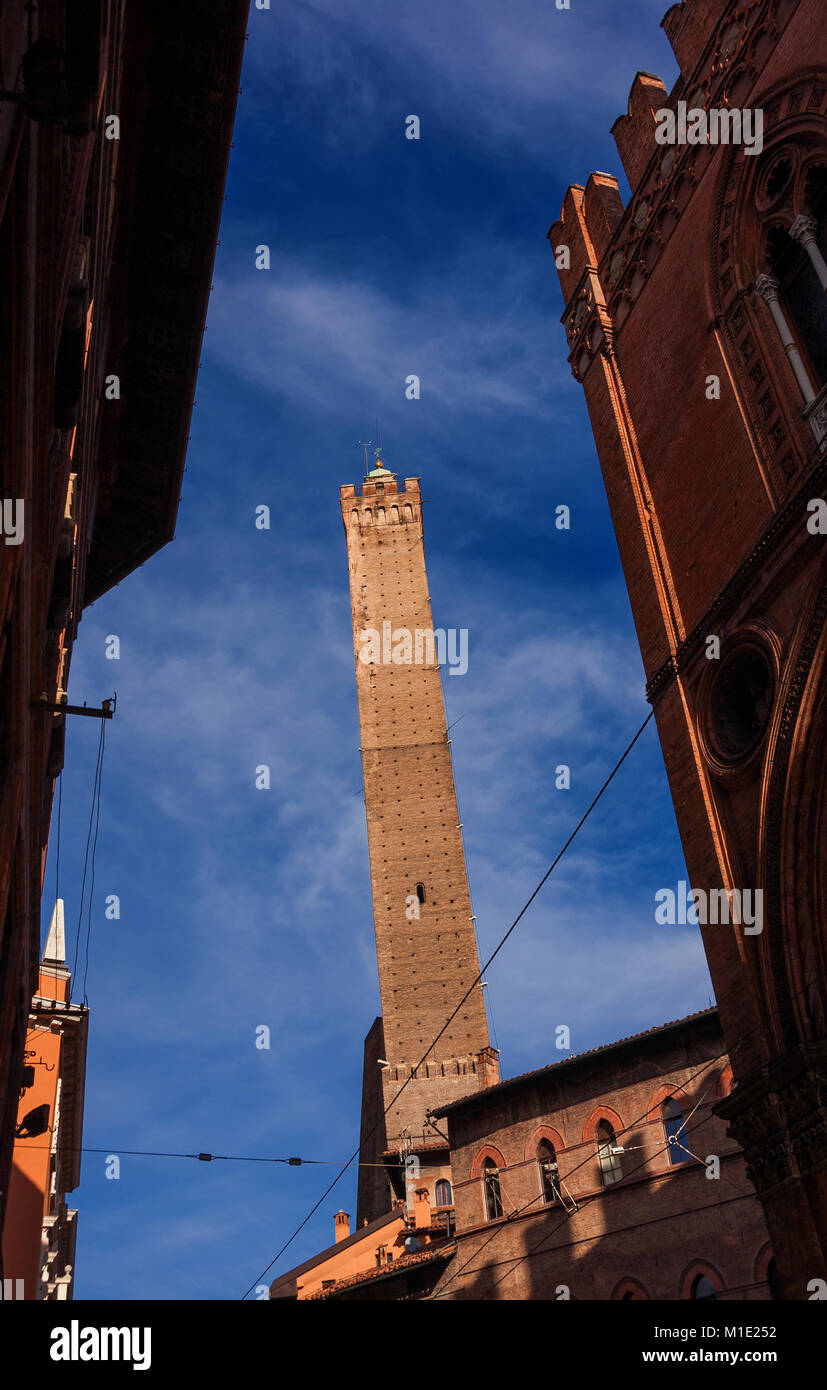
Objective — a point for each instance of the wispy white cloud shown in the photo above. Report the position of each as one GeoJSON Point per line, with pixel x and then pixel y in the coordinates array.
{"type": "Point", "coordinates": [474, 335]}
{"type": "Point", "coordinates": [501, 71]}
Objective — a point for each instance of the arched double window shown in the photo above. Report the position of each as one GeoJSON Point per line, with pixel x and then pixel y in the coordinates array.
{"type": "Point", "coordinates": [491, 1189]}
{"type": "Point", "coordinates": [611, 1169]}
{"type": "Point", "coordinates": [443, 1195]}
{"type": "Point", "coordinates": [796, 257]}
{"type": "Point", "coordinates": [793, 284]}
{"type": "Point", "coordinates": [674, 1128]}
{"type": "Point", "coordinates": [549, 1177]}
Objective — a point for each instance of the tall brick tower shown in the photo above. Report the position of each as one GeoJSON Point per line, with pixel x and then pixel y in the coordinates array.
{"type": "Point", "coordinates": [697, 326]}
{"type": "Point", "coordinates": [425, 939]}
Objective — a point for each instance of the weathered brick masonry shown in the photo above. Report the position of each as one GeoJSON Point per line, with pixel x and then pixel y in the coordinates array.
{"type": "Point", "coordinates": [426, 950]}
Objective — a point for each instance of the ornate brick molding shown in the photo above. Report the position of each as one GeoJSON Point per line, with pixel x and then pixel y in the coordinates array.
{"type": "Point", "coordinates": [794, 513]}
{"type": "Point", "coordinates": [779, 1118]}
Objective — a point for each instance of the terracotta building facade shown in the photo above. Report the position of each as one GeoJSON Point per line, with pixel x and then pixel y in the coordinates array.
{"type": "Point", "coordinates": [397, 1257]}
{"type": "Point", "coordinates": [607, 1176]}
{"type": "Point", "coordinates": [115, 127]}
{"type": "Point", "coordinates": [696, 323]}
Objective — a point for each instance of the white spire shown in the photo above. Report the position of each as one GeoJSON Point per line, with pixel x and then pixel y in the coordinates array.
{"type": "Point", "coordinates": [56, 941]}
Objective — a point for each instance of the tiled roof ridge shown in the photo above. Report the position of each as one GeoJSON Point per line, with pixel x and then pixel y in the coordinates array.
{"type": "Point", "coordinates": [575, 1057]}
{"type": "Point", "coordinates": [404, 1262]}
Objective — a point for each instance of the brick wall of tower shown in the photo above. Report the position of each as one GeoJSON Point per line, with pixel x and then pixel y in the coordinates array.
{"type": "Point", "coordinates": [425, 963]}
{"type": "Point", "coordinates": [709, 503]}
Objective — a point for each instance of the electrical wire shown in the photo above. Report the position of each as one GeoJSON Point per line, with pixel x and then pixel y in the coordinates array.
{"type": "Point", "coordinates": [86, 854]}
{"type": "Point", "coordinates": [471, 987]}
{"type": "Point", "coordinates": [57, 852]}
{"type": "Point", "coordinates": [94, 855]}
{"type": "Point", "coordinates": [114, 1151]}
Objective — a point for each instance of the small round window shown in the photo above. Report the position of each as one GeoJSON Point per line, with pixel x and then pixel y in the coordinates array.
{"type": "Point", "coordinates": [740, 702]}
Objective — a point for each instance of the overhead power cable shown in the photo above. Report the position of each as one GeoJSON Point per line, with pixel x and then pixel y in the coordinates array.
{"type": "Point", "coordinates": [448, 1022]}
{"type": "Point", "coordinates": [117, 1152]}
{"type": "Point", "coordinates": [94, 855]}
{"type": "Point", "coordinates": [94, 816]}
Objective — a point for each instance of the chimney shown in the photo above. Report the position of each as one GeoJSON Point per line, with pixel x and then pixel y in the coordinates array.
{"type": "Point", "coordinates": [488, 1067]}
{"type": "Point", "coordinates": [341, 1222]}
{"type": "Point", "coordinates": [422, 1207]}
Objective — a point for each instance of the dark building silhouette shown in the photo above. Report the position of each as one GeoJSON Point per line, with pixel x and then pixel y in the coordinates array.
{"type": "Point", "coordinates": [115, 125]}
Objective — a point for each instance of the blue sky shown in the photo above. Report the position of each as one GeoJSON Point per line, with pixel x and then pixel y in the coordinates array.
{"type": "Point", "coordinates": [242, 907]}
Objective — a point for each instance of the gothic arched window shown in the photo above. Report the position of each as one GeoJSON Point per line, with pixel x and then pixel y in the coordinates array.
{"type": "Point", "coordinates": [790, 254]}
{"type": "Point", "coordinates": [674, 1127]}
{"type": "Point", "coordinates": [793, 282]}
{"type": "Point", "coordinates": [491, 1188]}
{"type": "Point", "coordinates": [610, 1165]}
{"type": "Point", "coordinates": [547, 1159]}
{"type": "Point", "coordinates": [702, 1287]}
{"type": "Point", "coordinates": [443, 1195]}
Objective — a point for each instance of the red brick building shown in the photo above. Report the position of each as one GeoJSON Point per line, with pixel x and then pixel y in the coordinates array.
{"type": "Point", "coordinates": [425, 940]}
{"type": "Point", "coordinates": [607, 1176]}
{"type": "Point", "coordinates": [697, 326]}
{"type": "Point", "coordinates": [115, 125]}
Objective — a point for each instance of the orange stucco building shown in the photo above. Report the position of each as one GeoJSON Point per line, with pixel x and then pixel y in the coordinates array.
{"type": "Point", "coordinates": [400, 1255]}
{"type": "Point", "coordinates": [39, 1236]}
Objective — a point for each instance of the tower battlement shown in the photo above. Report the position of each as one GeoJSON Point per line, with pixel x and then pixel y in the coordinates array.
{"type": "Point", "coordinates": [720, 48]}
{"type": "Point", "coordinates": [383, 486]}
